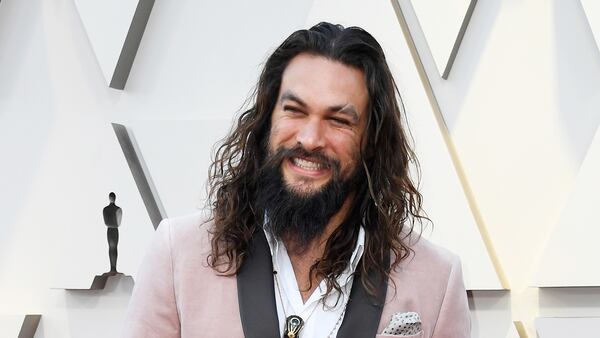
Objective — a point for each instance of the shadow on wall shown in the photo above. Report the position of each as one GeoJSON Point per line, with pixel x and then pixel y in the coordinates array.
{"type": "Point", "coordinates": [491, 315]}
{"type": "Point", "coordinates": [99, 313]}
{"type": "Point", "coordinates": [578, 76]}
{"type": "Point", "coordinates": [569, 302]}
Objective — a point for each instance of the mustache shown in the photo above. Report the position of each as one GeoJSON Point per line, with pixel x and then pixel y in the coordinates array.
{"type": "Point", "coordinates": [276, 158]}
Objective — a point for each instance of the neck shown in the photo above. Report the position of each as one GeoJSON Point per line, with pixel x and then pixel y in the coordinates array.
{"type": "Point", "coordinates": [304, 259]}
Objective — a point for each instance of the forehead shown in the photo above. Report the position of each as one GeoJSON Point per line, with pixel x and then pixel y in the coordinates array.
{"type": "Point", "coordinates": [322, 82]}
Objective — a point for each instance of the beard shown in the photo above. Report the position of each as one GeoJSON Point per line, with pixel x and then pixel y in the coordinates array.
{"type": "Point", "coordinates": [296, 216]}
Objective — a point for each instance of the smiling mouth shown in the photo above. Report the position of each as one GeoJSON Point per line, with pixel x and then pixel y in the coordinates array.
{"type": "Point", "coordinates": [308, 164]}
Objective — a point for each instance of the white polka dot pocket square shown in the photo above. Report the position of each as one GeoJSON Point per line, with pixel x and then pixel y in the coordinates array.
{"type": "Point", "coordinates": [403, 324]}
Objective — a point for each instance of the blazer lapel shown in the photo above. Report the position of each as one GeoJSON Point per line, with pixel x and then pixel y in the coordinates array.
{"type": "Point", "coordinates": [363, 311]}
{"type": "Point", "coordinates": [256, 295]}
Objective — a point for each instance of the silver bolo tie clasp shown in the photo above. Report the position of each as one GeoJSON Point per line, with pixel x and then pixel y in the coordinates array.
{"type": "Point", "coordinates": [293, 325]}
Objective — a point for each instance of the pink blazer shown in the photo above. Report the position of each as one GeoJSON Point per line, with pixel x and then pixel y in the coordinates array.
{"type": "Point", "coordinates": [177, 295]}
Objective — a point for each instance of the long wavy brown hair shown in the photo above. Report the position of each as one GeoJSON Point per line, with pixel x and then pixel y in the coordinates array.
{"type": "Point", "coordinates": [387, 203]}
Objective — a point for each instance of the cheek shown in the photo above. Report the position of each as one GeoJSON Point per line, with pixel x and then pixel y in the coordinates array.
{"type": "Point", "coordinates": [281, 132]}
{"type": "Point", "coordinates": [346, 147]}
{"type": "Point", "coordinates": [274, 136]}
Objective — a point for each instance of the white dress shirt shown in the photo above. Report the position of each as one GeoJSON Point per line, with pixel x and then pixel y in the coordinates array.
{"type": "Point", "coordinates": [319, 321]}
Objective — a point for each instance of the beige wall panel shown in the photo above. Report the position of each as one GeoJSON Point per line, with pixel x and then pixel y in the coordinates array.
{"type": "Point", "coordinates": [491, 315]}
{"type": "Point", "coordinates": [445, 201]}
{"type": "Point", "coordinates": [570, 257]}
{"type": "Point", "coordinates": [92, 314]}
{"type": "Point", "coordinates": [115, 29]}
{"type": "Point", "coordinates": [512, 332]}
{"type": "Point", "coordinates": [106, 24]}
{"type": "Point", "coordinates": [548, 327]}
{"type": "Point", "coordinates": [177, 154]}
{"type": "Point", "coordinates": [592, 11]}
{"type": "Point", "coordinates": [443, 23]}
{"type": "Point", "coordinates": [10, 325]}
{"type": "Point", "coordinates": [522, 108]}
{"type": "Point", "coordinates": [569, 302]}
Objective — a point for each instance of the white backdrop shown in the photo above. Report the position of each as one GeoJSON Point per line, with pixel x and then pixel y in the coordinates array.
{"type": "Point", "coordinates": [521, 105]}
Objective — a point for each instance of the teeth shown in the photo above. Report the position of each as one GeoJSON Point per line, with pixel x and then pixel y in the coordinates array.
{"type": "Point", "coordinates": [308, 165]}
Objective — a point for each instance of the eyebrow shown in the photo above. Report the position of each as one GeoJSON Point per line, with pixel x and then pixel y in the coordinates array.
{"type": "Point", "coordinates": [348, 109]}
{"type": "Point", "coordinates": [289, 95]}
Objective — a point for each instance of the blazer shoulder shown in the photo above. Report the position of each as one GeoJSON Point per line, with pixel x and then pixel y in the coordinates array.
{"type": "Point", "coordinates": [189, 234]}
{"type": "Point", "coordinates": [427, 264]}
{"type": "Point", "coordinates": [188, 224]}
{"type": "Point", "coordinates": [426, 252]}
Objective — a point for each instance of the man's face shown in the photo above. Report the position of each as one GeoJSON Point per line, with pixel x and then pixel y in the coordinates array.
{"type": "Point", "coordinates": [321, 108]}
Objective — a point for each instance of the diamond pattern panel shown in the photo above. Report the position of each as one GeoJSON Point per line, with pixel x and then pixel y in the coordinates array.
{"type": "Point", "coordinates": [443, 24]}
{"type": "Point", "coordinates": [572, 250]}
{"type": "Point", "coordinates": [115, 29]}
{"type": "Point", "coordinates": [592, 11]}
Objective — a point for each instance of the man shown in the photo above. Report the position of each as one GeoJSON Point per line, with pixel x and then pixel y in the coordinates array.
{"type": "Point", "coordinates": [312, 215]}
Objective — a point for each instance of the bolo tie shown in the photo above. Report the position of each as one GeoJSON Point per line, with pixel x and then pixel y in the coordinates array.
{"type": "Point", "coordinates": [293, 325]}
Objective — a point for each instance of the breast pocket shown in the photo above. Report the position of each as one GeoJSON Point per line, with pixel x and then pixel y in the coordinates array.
{"type": "Point", "coordinates": [418, 335]}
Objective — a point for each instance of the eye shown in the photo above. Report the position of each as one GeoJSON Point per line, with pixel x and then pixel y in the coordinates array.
{"type": "Point", "coordinates": [340, 121]}
{"type": "Point", "coordinates": [292, 109]}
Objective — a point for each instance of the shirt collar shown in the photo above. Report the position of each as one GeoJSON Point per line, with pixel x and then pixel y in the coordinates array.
{"type": "Point", "coordinates": [275, 245]}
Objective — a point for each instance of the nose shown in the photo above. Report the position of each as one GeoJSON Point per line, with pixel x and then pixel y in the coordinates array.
{"type": "Point", "coordinates": [311, 135]}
